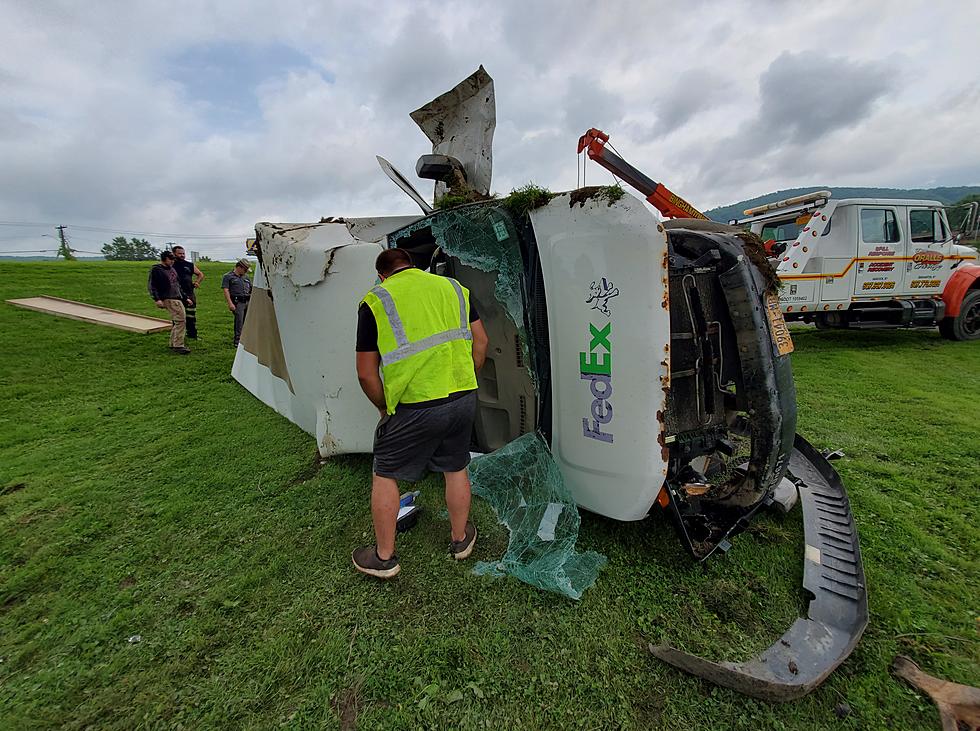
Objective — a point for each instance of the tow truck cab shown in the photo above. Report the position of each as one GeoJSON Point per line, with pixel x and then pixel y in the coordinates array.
{"type": "Point", "coordinates": [865, 262]}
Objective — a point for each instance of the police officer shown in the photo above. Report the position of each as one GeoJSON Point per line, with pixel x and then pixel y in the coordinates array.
{"type": "Point", "coordinates": [238, 290]}
{"type": "Point", "coordinates": [190, 279]}
{"type": "Point", "coordinates": [422, 332]}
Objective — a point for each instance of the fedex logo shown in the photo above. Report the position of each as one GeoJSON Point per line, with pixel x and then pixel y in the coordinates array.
{"type": "Point", "coordinates": [595, 366]}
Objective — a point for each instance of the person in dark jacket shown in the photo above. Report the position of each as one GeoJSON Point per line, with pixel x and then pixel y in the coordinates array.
{"type": "Point", "coordinates": [164, 287]}
{"type": "Point", "coordinates": [190, 279]}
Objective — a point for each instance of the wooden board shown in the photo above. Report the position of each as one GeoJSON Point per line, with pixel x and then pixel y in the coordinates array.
{"type": "Point", "coordinates": [91, 313]}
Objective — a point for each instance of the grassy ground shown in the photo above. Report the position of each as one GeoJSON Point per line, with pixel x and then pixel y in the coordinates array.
{"type": "Point", "coordinates": [143, 493]}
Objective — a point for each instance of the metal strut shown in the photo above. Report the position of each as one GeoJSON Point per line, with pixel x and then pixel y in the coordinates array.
{"type": "Point", "coordinates": [670, 204]}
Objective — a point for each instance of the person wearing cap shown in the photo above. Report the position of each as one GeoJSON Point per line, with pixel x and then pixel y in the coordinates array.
{"type": "Point", "coordinates": [238, 290]}
{"type": "Point", "coordinates": [419, 345]}
{"type": "Point", "coordinates": [164, 287]}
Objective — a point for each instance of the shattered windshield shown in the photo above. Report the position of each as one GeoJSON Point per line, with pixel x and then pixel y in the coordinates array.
{"type": "Point", "coordinates": [483, 237]}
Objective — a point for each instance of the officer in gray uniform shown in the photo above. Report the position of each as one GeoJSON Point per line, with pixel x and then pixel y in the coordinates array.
{"type": "Point", "coordinates": [238, 290]}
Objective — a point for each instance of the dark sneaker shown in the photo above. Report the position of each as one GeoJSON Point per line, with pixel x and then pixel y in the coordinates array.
{"type": "Point", "coordinates": [367, 561]}
{"type": "Point", "coordinates": [181, 351]}
{"type": "Point", "coordinates": [462, 549]}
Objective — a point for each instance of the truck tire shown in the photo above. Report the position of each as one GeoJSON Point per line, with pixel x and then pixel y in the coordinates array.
{"type": "Point", "coordinates": [966, 325]}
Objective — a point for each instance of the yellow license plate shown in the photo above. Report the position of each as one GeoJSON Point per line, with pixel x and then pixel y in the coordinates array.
{"type": "Point", "coordinates": [777, 325]}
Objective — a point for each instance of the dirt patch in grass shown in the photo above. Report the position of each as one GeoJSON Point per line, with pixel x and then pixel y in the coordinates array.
{"type": "Point", "coordinates": [310, 470]}
{"type": "Point", "coordinates": [346, 705]}
{"type": "Point", "coordinates": [731, 601]}
{"type": "Point", "coordinates": [12, 488]}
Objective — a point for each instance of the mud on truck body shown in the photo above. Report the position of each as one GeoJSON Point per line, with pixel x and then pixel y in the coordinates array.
{"type": "Point", "coordinates": [871, 263]}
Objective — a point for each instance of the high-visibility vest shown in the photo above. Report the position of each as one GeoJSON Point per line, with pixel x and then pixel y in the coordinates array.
{"type": "Point", "coordinates": [424, 337]}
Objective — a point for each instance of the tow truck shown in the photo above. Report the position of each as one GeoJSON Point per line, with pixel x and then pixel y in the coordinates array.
{"type": "Point", "coordinates": [651, 355]}
{"type": "Point", "coordinates": [871, 263]}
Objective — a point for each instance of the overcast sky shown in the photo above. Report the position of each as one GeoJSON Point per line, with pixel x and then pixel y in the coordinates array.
{"type": "Point", "coordinates": [187, 117]}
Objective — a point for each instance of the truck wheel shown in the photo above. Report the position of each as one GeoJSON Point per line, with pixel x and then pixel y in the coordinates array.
{"type": "Point", "coordinates": [966, 325]}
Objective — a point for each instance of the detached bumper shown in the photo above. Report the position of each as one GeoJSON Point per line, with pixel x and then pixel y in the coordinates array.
{"type": "Point", "coordinates": [833, 575]}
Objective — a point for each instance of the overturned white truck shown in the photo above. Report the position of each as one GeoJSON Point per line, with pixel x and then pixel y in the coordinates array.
{"type": "Point", "coordinates": [651, 356]}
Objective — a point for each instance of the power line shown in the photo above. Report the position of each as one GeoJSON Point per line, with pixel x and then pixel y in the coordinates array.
{"type": "Point", "coordinates": [152, 234]}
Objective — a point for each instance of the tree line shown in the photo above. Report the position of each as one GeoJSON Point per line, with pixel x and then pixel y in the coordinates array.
{"type": "Point", "coordinates": [133, 249]}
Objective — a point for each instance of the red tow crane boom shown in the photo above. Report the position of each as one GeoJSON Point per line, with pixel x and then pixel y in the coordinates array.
{"type": "Point", "coordinates": [670, 204]}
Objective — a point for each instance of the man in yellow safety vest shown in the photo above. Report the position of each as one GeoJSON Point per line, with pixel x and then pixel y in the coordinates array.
{"type": "Point", "coordinates": [424, 334]}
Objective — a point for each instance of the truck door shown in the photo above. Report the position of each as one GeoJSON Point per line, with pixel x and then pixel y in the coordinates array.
{"type": "Point", "coordinates": [879, 253]}
{"type": "Point", "coordinates": [927, 266]}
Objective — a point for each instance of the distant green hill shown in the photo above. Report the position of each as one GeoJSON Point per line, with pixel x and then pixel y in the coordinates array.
{"type": "Point", "coordinates": [943, 195]}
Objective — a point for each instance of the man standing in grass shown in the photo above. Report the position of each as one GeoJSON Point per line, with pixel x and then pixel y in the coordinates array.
{"type": "Point", "coordinates": [423, 333]}
{"type": "Point", "coordinates": [164, 286]}
{"type": "Point", "coordinates": [238, 291]}
{"type": "Point", "coordinates": [190, 279]}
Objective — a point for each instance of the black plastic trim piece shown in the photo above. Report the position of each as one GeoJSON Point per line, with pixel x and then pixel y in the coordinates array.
{"type": "Point", "coordinates": [833, 574]}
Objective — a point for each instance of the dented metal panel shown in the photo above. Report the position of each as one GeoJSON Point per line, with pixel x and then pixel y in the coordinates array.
{"type": "Point", "coordinates": [317, 274]}
{"type": "Point", "coordinates": [604, 281]}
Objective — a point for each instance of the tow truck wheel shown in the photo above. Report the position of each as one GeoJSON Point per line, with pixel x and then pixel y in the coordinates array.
{"type": "Point", "coordinates": [966, 325]}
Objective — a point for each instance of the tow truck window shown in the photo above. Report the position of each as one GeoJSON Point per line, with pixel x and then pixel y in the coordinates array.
{"type": "Point", "coordinates": [925, 225]}
{"type": "Point", "coordinates": [787, 231]}
{"type": "Point", "coordinates": [878, 226]}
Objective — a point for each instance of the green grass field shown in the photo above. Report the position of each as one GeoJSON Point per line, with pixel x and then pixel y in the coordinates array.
{"type": "Point", "coordinates": [143, 493]}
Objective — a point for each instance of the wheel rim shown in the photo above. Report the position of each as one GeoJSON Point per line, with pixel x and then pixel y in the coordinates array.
{"type": "Point", "coordinates": [971, 319]}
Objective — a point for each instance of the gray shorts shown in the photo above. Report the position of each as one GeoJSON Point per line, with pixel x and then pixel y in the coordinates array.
{"type": "Point", "coordinates": [435, 438]}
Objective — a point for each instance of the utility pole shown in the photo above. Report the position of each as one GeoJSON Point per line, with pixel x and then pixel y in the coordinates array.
{"type": "Point", "coordinates": [64, 250]}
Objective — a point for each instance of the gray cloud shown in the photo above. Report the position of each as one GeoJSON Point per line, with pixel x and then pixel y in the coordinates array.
{"type": "Point", "coordinates": [587, 104]}
{"type": "Point", "coordinates": [803, 98]}
{"type": "Point", "coordinates": [806, 95]}
{"type": "Point", "coordinates": [693, 91]}
{"type": "Point", "coordinates": [91, 131]}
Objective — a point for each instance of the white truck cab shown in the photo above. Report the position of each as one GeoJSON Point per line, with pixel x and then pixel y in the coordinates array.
{"type": "Point", "coordinates": [870, 262]}
{"type": "Point", "coordinates": [650, 356]}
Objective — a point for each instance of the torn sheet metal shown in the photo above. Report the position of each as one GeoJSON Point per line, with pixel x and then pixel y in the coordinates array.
{"type": "Point", "coordinates": [460, 123]}
{"type": "Point", "coordinates": [315, 313]}
{"type": "Point", "coordinates": [303, 252]}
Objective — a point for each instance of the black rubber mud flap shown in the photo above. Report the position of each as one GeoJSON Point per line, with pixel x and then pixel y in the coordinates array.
{"type": "Point", "coordinates": [833, 575]}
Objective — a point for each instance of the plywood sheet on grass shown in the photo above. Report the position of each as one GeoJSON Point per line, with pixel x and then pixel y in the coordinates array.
{"type": "Point", "coordinates": [91, 313]}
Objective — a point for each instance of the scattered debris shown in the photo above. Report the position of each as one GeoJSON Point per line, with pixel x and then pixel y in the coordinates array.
{"type": "Point", "coordinates": [135, 639]}
{"type": "Point", "coordinates": [524, 486]}
{"type": "Point", "coordinates": [959, 705]}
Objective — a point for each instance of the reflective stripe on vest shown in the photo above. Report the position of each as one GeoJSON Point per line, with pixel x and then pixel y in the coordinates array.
{"type": "Point", "coordinates": [406, 349]}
